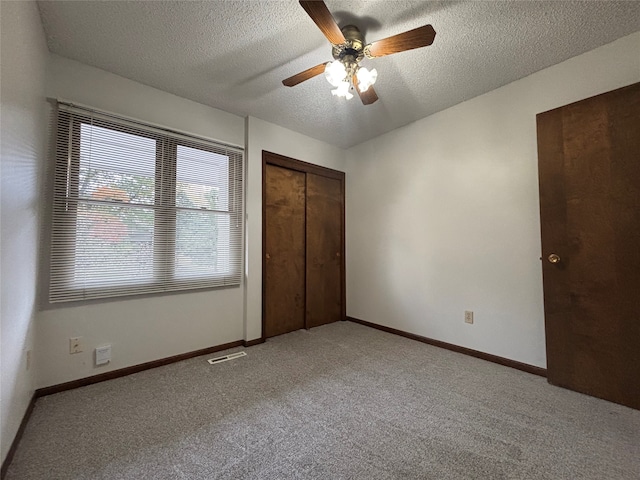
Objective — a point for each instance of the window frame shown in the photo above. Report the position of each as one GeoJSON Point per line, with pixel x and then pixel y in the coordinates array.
{"type": "Point", "coordinates": [66, 205]}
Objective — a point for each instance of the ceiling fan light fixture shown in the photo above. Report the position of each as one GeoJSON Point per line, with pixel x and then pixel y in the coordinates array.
{"type": "Point", "coordinates": [335, 73]}
{"type": "Point", "coordinates": [349, 48]}
{"type": "Point", "coordinates": [366, 78]}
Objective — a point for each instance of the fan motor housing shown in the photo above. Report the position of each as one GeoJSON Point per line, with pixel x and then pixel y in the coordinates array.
{"type": "Point", "coordinates": [352, 50]}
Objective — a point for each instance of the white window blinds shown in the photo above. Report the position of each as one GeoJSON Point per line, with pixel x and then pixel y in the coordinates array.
{"type": "Point", "coordinates": [139, 209]}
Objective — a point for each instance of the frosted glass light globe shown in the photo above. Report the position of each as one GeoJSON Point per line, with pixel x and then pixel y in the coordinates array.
{"type": "Point", "coordinates": [366, 78]}
{"type": "Point", "coordinates": [335, 73]}
{"type": "Point", "coordinates": [343, 90]}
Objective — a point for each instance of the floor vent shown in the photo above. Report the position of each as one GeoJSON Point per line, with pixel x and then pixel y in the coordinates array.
{"type": "Point", "coordinates": [231, 356]}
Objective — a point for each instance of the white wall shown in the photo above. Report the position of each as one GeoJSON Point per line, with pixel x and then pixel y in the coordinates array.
{"type": "Point", "coordinates": [261, 136]}
{"type": "Point", "coordinates": [442, 215]}
{"type": "Point", "coordinates": [22, 152]}
{"type": "Point", "coordinates": [83, 84]}
{"type": "Point", "coordinates": [153, 327]}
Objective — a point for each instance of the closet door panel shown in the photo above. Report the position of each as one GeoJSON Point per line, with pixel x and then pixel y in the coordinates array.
{"type": "Point", "coordinates": [284, 255]}
{"type": "Point", "coordinates": [324, 250]}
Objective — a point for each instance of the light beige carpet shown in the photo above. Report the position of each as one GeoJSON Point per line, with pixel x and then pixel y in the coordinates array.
{"type": "Point", "coordinates": [341, 401]}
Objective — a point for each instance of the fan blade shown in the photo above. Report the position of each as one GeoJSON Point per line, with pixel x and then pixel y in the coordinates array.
{"type": "Point", "coordinates": [416, 38]}
{"type": "Point", "coordinates": [320, 14]}
{"type": "Point", "coordinates": [306, 75]}
{"type": "Point", "coordinates": [368, 97]}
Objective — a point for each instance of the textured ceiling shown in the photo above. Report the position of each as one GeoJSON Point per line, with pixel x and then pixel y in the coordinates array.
{"type": "Point", "coordinates": [233, 55]}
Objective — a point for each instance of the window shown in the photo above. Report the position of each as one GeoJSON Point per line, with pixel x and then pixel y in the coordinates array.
{"type": "Point", "coordinates": [138, 209]}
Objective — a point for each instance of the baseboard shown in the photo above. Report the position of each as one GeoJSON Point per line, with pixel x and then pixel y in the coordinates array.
{"type": "Point", "coordinates": [251, 343]}
{"type": "Point", "coordinates": [16, 440]}
{"type": "Point", "coordinates": [525, 367]}
{"type": "Point", "coordinates": [82, 382]}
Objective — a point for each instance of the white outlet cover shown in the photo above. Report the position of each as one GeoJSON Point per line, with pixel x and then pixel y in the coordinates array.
{"type": "Point", "coordinates": [75, 345]}
{"type": "Point", "coordinates": [468, 316]}
{"type": "Point", "coordinates": [103, 355]}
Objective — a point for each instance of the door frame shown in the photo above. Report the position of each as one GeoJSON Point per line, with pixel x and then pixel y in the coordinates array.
{"type": "Point", "coordinates": [270, 158]}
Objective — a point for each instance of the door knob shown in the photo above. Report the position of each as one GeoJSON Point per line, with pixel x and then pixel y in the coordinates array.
{"type": "Point", "coordinates": [268, 256]}
{"type": "Point", "coordinates": [337, 254]}
{"type": "Point", "coordinates": [553, 258]}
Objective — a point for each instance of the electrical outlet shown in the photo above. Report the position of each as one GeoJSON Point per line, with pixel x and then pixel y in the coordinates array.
{"type": "Point", "coordinates": [468, 317]}
{"type": "Point", "coordinates": [75, 345]}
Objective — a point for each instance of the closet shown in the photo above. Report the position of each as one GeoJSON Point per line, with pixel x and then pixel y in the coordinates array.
{"type": "Point", "coordinates": [303, 281]}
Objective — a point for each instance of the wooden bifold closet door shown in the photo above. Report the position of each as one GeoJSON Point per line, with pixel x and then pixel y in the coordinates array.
{"type": "Point", "coordinates": [303, 245]}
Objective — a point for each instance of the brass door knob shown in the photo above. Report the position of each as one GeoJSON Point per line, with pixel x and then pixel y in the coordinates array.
{"type": "Point", "coordinates": [553, 258]}
{"type": "Point", "coordinates": [268, 256]}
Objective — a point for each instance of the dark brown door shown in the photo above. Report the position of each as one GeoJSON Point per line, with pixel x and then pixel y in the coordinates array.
{"type": "Point", "coordinates": [284, 255]}
{"type": "Point", "coordinates": [324, 250]}
{"type": "Point", "coordinates": [589, 172]}
{"type": "Point", "coordinates": [303, 245]}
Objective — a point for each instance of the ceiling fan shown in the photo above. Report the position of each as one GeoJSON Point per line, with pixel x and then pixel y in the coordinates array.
{"type": "Point", "coordinates": [349, 48]}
